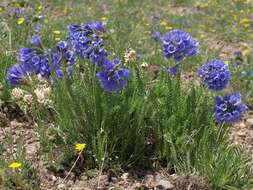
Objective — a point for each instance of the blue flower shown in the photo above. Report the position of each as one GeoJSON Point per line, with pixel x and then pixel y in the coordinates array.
{"type": "Point", "coordinates": [35, 61]}
{"type": "Point", "coordinates": [112, 78]}
{"type": "Point", "coordinates": [64, 57]}
{"type": "Point", "coordinates": [215, 74]}
{"type": "Point", "coordinates": [36, 41]}
{"type": "Point", "coordinates": [178, 44]}
{"type": "Point", "coordinates": [229, 109]}
{"type": "Point", "coordinates": [62, 46]}
{"type": "Point", "coordinates": [16, 75]}
{"type": "Point", "coordinates": [44, 68]}
{"type": "Point", "coordinates": [155, 19]}
{"type": "Point", "coordinates": [156, 36]}
{"type": "Point", "coordinates": [64, 49]}
{"type": "Point", "coordinates": [173, 70]}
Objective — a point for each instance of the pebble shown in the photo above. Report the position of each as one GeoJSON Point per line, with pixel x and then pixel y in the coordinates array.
{"type": "Point", "coordinates": [164, 185]}
{"type": "Point", "coordinates": [61, 186]}
{"type": "Point", "coordinates": [249, 122]}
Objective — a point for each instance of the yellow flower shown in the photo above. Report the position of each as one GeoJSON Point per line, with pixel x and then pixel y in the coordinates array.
{"type": "Point", "coordinates": [21, 21]}
{"type": "Point", "coordinates": [39, 8]}
{"type": "Point", "coordinates": [163, 23]}
{"type": "Point", "coordinates": [168, 27]}
{"type": "Point", "coordinates": [245, 21]}
{"type": "Point", "coordinates": [57, 39]}
{"type": "Point", "coordinates": [17, 4]}
{"type": "Point", "coordinates": [234, 30]}
{"type": "Point", "coordinates": [104, 18]}
{"type": "Point", "coordinates": [245, 52]}
{"type": "Point", "coordinates": [80, 146]}
{"type": "Point", "coordinates": [15, 165]}
{"type": "Point", "coordinates": [202, 35]}
{"type": "Point", "coordinates": [226, 62]}
{"type": "Point", "coordinates": [234, 16]}
{"type": "Point", "coordinates": [57, 32]}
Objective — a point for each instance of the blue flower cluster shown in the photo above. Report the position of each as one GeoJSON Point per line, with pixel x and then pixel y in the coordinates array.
{"type": "Point", "coordinates": [86, 41]}
{"type": "Point", "coordinates": [16, 74]}
{"type": "Point", "coordinates": [64, 57]}
{"type": "Point", "coordinates": [178, 44]}
{"type": "Point", "coordinates": [112, 78]}
{"type": "Point", "coordinates": [229, 109]}
{"type": "Point", "coordinates": [87, 44]}
{"type": "Point", "coordinates": [30, 60]}
{"type": "Point", "coordinates": [215, 74]}
{"type": "Point", "coordinates": [83, 40]}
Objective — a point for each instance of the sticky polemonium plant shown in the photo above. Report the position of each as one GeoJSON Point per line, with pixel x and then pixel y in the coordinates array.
{"type": "Point", "coordinates": [215, 74]}
{"type": "Point", "coordinates": [229, 109]}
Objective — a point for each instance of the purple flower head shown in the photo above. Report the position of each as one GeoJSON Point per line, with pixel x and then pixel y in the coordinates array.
{"type": "Point", "coordinates": [63, 59]}
{"type": "Point", "coordinates": [62, 46]}
{"type": "Point", "coordinates": [25, 54]}
{"type": "Point", "coordinates": [215, 74]}
{"type": "Point", "coordinates": [38, 26]}
{"type": "Point", "coordinates": [178, 44]}
{"type": "Point", "coordinates": [44, 68]}
{"type": "Point", "coordinates": [56, 59]}
{"type": "Point", "coordinates": [96, 26]}
{"type": "Point", "coordinates": [113, 81]}
{"type": "Point", "coordinates": [112, 78]}
{"type": "Point", "coordinates": [70, 57]}
{"type": "Point", "coordinates": [86, 42]}
{"type": "Point", "coordinates": [229, 109]}
{"type": "Point", "coordinates": [16, 74]}
{"type": "Point", "coordinates": [110, 65]}
{"type": "Point", "coordinates": [156, 36]}
{"type": "Point", "coordinates": [32, 60]}
{"type": "Point", "coordinates": [36, 41]}
{"type": "Point", "coordinates": [173, 70]}
{"type": "Point", "coordinates": [155, 19]}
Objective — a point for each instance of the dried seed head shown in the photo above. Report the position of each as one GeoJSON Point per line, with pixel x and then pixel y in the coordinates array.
{"type": "Point", "coordinates": [28, 99]}
{"type": "Point", "coordinates": [130, 55]}
{"type": "Point", "coordinates": [17, 93]}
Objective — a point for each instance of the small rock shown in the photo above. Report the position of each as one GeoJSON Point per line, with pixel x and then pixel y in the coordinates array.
{"type": "Point", "coordinates": [241, 134]}
{"type": "Point", "coordinates": [164, 185]}
{"type": "Point", "coordinates": [61, 186]}
{"type": "Point", "coordinates": [15, 124]}
{"type": "Point", "coordinates": [124, 176]}
{"type": "Point", "coordinates": [249, 122]}
{"type": "Point", "coordinates": [114, 179]}
{"type": "Point", "coordinates": [53, 178]}
{"type": "Point", "coordinates": [150, 180]}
